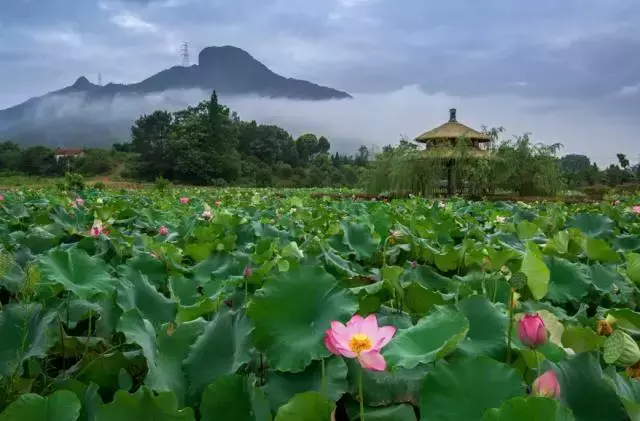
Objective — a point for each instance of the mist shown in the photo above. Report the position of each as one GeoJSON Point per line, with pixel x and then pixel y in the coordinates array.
{"type": "Point", "coordinates": [373, 120]}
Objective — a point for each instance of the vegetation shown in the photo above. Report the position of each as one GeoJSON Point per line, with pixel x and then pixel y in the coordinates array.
{"type": "Point", "coordinates": [189, 304]}
{"type": "Point", "coordinates": [210, 145]}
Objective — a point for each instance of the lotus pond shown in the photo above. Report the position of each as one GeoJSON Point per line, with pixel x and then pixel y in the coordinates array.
{"type": "Point", "coordinates": [259, 305]}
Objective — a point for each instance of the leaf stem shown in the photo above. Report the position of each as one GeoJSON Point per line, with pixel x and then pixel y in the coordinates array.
{"type": "Point", "coordinates": [510, 325]}
{"type": "Point", "coordinates": [361, 393]}
{"type": "Point", "coordinates": [324, 379]}
{"type": "Point", "coordinates": [86, 345]}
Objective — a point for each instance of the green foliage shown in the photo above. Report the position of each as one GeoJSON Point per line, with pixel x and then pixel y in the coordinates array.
{"type": "Point", "coordinates": [516, 166]}
{"type": "Point", "coordinates": [162, 183]}
{"type": "Point", "coordinates": [73, 182]}
{"type": "Point", "coordinates": [209, 145]}
{"type": "Point", "coordinates": [132, 325]}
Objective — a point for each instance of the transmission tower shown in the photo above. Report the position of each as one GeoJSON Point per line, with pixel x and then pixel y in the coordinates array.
{"type": "Point", "coordinates": [184, 54]}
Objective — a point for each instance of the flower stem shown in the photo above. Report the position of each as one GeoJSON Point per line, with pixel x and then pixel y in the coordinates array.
{"type": "Point", "coordinates": [510, 325]}
{"type": "Point", "coordinates": [361, 393]}
{"type": "Point", "coordinates": [324, 380]}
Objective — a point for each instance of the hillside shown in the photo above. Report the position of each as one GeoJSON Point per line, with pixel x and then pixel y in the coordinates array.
{"type": "Point", "coordinates": [84, 113]}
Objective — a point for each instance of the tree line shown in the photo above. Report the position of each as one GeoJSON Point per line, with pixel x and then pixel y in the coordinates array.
{"type": "Point", "coordinates": [516, 166]}
{"type": "Point", "coordinates": [208, 144]}
{"type": "Point", "coordinates": [41, 161]}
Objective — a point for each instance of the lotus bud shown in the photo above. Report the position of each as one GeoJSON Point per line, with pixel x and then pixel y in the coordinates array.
{"type": "Point", "coordinates": [163, 230]}
{"type": "Point", "coordinates": [546, 385]}
{"type": "Point", "coordinates": [414, 264]}
{"type": "Point", "coordinates": [620, 349]}
{"type": "Point", "coordinates": [248, 272]}
{"type": "Point", "coordinates": [531, 331]}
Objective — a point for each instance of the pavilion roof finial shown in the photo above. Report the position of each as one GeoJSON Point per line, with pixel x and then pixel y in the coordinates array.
{"type": "Point", "coordinates": [452, 115]}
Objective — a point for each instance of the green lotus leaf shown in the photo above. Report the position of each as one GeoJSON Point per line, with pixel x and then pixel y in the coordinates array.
{"type": "Point", "coordinates": [433, 337]}
{"type": "Point", "coordinates": [530, 409]}
{"type": "Point", "coordinates": [223, 348]}
{"type": "Point", "coordinates": [234, 397]}
{"type": "Point", "coordinates": [586, 392]}
{"type": "Point", "coordinates": [307, 406]}
{"type": "Point", "coordinates": [144, 405]}
{"type": "Point", "coordinates": [76, 271]}
{"type": "Point", "coordinates": [466, 388]}
{"type": "Point", "coordinates": [292, 312]}
{"type": "Point", "coordinates": [173, 347]}
{"type": "Point", "coordinates": [26, 331]}
{"type": "Point", "coordinates": [62, 405]}
{"type": "Point", "coordinates": [281, 387]}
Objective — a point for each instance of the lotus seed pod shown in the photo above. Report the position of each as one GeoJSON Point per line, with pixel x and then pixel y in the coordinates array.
{"type": "Point", "coordinates": [518, 280]}
{"type": "Point", "coordinates": [620, 349]}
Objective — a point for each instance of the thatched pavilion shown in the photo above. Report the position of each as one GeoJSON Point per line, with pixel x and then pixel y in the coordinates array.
{"type": "Point", "coordinates": [443, 142]}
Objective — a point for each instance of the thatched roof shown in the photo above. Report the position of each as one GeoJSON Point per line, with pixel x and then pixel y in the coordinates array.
{"type": "Point", "coordinates": [452, 129]}
{"type": "Point", "coordinates": [445, 152]}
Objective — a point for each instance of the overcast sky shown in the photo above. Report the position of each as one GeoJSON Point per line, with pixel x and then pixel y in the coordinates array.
{"type": "Point", "coordinates": [562, 64]}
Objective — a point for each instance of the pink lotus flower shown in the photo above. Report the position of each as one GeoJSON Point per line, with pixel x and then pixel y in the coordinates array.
{"type": "Point", "coordinates": [616, 202]}
{"type": "Point", "coordinates": [163, 230]}
{"type": "Point", "coordinates": [414, 264]}
{"type": "Point", "coordinates": [546, 385]}
{"type": "Point", "coordinates": [636, 209]}
{"type": "Point", "coordinates": [97, 228]}
{"type": "Point", "coordinates": [184, 200]}
{"type": "Point", "coordinates": [1, 198]}
{"type": "Point", "coordinates": [531, 331]}
{"type": "Point", "coordinates": [79, 201]}
{"type": "Point", "coordinates": [361, 339]}
{"type": "Point", "coordinates": [218, 203]}
{"type": "Point", "coordinates": [442, 205]}
{"type": "Point", "coordinates": [207, 214]}
{"type": "Point", "coordinates": [248, 272]}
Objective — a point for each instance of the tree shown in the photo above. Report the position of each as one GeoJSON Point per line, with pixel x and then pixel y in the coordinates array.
{"type": "Point", "coordinates": [577, 170]}
{"type": "Point", "coordinates": [363, 156]}
{"type": "Point", "coordinates": [9, 156]}
{"type": "Point", "coordinates": [323, 145]}
{"type": "Point", "coordinates": [150, 137]}
{"type": "Point", "coordinates": [307, 146]}
{"type": "Point", "coordinates": [574, 163]}
{"type": "Point", "coordinates": [38, 160]}
{"type": "Point", "coordinates": [623, 161]}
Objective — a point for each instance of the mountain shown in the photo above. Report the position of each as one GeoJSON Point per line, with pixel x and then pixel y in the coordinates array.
{"type": "Point", "coordinates": [86, 114]}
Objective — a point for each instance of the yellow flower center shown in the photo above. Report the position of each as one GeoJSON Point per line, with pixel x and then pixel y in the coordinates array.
{"type": "Point", "coordinates": [359, 343]}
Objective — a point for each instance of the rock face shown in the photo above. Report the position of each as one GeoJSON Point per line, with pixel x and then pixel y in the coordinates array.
{"type": "Point", "coordinates": [229, 70]}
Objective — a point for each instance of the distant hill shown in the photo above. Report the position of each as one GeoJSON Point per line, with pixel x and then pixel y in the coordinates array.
{"type": "Point", "coordinates": [86, 114]}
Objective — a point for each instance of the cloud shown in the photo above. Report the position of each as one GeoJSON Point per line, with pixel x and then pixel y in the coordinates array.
{"type": "Point", "coordinates": [557, 55]}
{"type": "Point", "coordinates": [134, 23]}
{"type": "Point", "coordinates": [630, 90]}
{"type": "Point", "coordinates": [379, 119]}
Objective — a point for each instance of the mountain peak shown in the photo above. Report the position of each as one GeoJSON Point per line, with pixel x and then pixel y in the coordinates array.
{"type": "Point", "coordinates": [82, 83]}
{"type": "Point", "coordinates": [226, 55]}
{"type": "Point", "coordinates": [229, 70]}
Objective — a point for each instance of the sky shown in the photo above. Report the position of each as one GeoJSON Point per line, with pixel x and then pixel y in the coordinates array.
{"type": "Point", "coordinates": [566, 71]}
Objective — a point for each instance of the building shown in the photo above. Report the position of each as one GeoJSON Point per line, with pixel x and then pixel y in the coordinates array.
{"type": "Point", "coordinates": [443, 144]}
{"type": "Point", "coordinates": [449, 133]}
{"type": "Point", "coordinates": [69, 153]}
